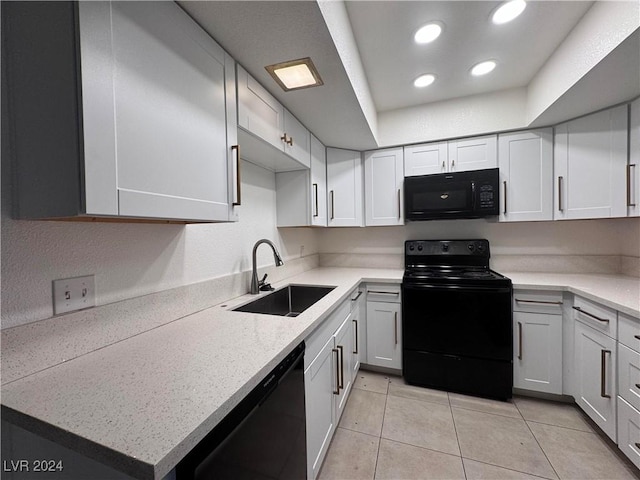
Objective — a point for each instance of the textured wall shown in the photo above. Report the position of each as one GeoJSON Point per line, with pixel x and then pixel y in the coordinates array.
{"type": "Point", "coordinates": [129, 260]}
{"type": "Point", "coordinates": [576, 237]}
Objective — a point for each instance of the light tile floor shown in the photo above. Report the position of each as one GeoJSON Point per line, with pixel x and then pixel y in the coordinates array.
{"type": "Point", "coordinates": [390, 430]}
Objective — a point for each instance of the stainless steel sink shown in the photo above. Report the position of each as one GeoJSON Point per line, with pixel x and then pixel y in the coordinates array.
{"type": "Point", "coordinates": [289, 301]}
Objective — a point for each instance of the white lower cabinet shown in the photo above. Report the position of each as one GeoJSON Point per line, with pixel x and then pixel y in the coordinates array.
{"type": "Point", "coordinates": [629, 431]}
{"type": "Point", "coordinates": [328, 377]}
{"type": "Point", "coordinates": [359, 321]}
{"type": "Point", "coordinates": [595, 369]}
{"type": "Point", "coordinates": [384, 326]}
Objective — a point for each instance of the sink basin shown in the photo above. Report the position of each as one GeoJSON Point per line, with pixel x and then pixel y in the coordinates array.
{"type": "Point", "coordinates": [289, 301]}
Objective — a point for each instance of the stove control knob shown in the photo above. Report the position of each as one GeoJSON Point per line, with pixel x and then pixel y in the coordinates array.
{"type": "Point", "coordinates": [420, 247]}
{"type": "Point", "coordinates": [445, 247]}
{"type": "Point", "coordinates": [412, 247]}
{"type": "Point", "coordinates": [480, 247]}
{"type": "Point", "coordinates": [471, 247]}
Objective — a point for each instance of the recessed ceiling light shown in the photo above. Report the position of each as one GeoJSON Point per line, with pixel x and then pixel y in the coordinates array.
{"type": "Point", "coordinates": [508, 11]}
{"type": "Point", "coordinates": [295, 74]}
{"type": "Point", "coordinates": [483, 68]}
{"type": "Point", "coordinates": [428, 33]}
{"type": "Point", "coordinates": [424, 80]}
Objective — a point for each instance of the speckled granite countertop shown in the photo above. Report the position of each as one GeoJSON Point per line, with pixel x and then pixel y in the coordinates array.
{"type": "Point", "coordinates": [141, 404]}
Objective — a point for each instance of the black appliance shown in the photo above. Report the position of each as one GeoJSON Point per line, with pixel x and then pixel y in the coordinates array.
{"type": "Point", "coordinates": [264, 436]}
{"type": "Point", "coordinates": [456, 319]}
{"type": "Point", "coordinates": [472, 194]}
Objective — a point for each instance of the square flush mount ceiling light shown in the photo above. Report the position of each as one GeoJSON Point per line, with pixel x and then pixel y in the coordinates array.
{"type": "Point", "coordinates": [295, 74]}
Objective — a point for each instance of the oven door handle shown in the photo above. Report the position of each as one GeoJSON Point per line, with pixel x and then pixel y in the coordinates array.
{"type": "Point", "coordinates": [415, 286]}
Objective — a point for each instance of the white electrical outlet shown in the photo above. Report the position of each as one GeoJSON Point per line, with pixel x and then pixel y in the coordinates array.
{"type": "Point", "coordinates": [70, 294]}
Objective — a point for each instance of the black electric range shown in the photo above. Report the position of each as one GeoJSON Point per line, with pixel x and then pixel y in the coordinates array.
{"type": "Point", "coordinates": [456, 319]}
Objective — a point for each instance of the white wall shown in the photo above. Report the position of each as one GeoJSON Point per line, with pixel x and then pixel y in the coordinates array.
{"type": "Point", "coordinates": [130, 259]}
{"type": "Point", "coordinates": [577, 237]}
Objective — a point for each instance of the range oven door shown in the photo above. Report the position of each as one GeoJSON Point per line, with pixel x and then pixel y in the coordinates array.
{"type": "Point", "coordinates": [465, 321]}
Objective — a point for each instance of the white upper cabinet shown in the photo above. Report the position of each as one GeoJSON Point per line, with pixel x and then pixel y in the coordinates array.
{"type": "Point", "coordinates": [301, 195]}
{"type": "Point", "coordinates": [473, 153]}
{"type": "Point", "coordinates": [425, 159]}
{"type": "Point", "coordinates": [633, 168]}
{"type": "Point", "coordinates": [344, 188]}
{"type": "Point", "coordinates": [590, 162]}
{"type": "Point", "coordinates": [157, 113]}
{"type": "Point", "coordinates": [383, 181]}
{"type": "Point", "coordinates": [264, 121]}
{"type": "Point", "coordinates": [453, 156]}
{"type": "Point", "coordinates": [526, 175]}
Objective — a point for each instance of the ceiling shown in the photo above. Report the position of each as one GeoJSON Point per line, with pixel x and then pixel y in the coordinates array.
{"type": "Point", "coordinates": [383, 60]}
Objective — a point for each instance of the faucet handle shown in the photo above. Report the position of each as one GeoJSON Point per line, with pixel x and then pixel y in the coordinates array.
{"type": "Point", "coordinates": [261, 282]}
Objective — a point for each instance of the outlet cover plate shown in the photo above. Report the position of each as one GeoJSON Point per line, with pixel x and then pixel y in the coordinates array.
{"type": "Point", "coordinates": [70, 294]}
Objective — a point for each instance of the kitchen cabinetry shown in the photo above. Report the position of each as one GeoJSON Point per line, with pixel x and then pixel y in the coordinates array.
{"type": "Point", "coordinates": [628, 400]}
{"type": "Point", "coordinates": [359, 319]}
{"type": "Point", "coordinates": [82, 75]}
{"type": "Point", "coordinates": [328, 376]}
{"type": "Point", "coordinates": [537, 330]}
{"type": "Point", "coordinates": [633, 167]}
{"type": "Point", "coordinates": [384, 326]}
{"type": "Point", "coordinates": [301, 195]}
{"type": "Point", "coordinates": [453, 156]}
{"type": "Point", "coordinates": [383, 180]}
{"type": "Point", "coordinates": [270, 135]}
{"type": "Point", "coordinates": [590, 159]}
{"type": "Point", "coordinates": [344, 188]}
{"type": "Point", "coordinates": [526, 175]}
{"type": "Point", "coordinates": [595, 363]}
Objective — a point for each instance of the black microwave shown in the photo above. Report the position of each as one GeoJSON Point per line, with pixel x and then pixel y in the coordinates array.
{"type": "Point", "coordinates": [472, 194]}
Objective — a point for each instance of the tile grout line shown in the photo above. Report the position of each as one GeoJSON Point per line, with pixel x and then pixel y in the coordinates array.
{"type": "Point", "coordinates": [464, 470]}
{"type": "Point", "coordinates": [537, 442]}
{"type": "Point", "coordinates": [384, 412]}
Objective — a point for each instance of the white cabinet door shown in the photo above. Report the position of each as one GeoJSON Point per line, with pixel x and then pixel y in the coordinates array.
{"type": "Point", "coordinates": [384, 334]}
{"type": "Point", "coordinates": [590, 158]}
{"type": "Point", "coordinates": [383, 180]}
{"type": "Point", "coordinates": [258, 112]}
{"type": "Point", "coordinates": [318, 183]}
{"type": "Point", "coordinates": [343, 342]}
{"type": "Point", "coordinates": [633, 168]}
{"type": "Point", "coordinates": [297, 143]}
{"type": "Point", "coordinates": [595, 367]}
{"type": "Point", "coordinates": [344, 187]}
{"type": "Point", "coordinates": [425, 159]}
{"type": "Point", "coordinates": [320, 383]}
{"type": "Point", "coordinates": [526, 174]}
{"type": "Point", "coordinates": [473, 153]}
{"type": "Point", "coordinates": [629, 431]}
{"type": "Point", "coordinates": [537, 351]}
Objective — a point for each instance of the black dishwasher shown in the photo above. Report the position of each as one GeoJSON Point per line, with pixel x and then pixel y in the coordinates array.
{"type": "Point", "coordinates": [264, 436]}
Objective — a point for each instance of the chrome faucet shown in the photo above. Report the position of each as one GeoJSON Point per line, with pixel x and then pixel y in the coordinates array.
{"type": "Point", "coordinates": [255, 285]}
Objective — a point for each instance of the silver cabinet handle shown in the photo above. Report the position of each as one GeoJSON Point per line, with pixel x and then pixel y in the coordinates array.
{"type": "Point", "coordinates": [603, 372]}
{"type": "Point", "coordinates": [637, 337]}
{"type": "Point", "coordinates": [395, 326]}
{"type": "Point", "coordinates": [560, 207]}
{"type": "Point", "coordinates": [355, 323]}
{"type": "Point", "coordinates": [453, 164]}
{"type": "Point", "coordinates": [629, 204]}
{"type": "Point", "coordinates": [541, 302]}
{"type": "Point", "coordinates": [341, 384]}
{"type": "Point", "coordinates": [519, 341]}
{"type": "Point", "coordinates": [238, 182]}
{"type": "Point", "coordinates": [337, 390]}
{"type": "Point", "coordinates": [603, 320]}
{"type": "Point", "coordinates": [357, 296]}
{"type": "Point", "coordinates": [315, 190]}
{"type": "Point", "coordinates": [288, 141]}
{"type": "Point", "coordinates": [443, 165]}
{"type": "Point", "coordinates": [399, 207]}
{"type": "Point", "coordinates": [379, 292]}
{"type": "Point", "coordinates": [331, 195]}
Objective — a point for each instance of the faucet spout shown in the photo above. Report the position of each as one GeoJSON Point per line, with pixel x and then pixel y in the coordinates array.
{"type": "Point", "coordinates": [255, 285]}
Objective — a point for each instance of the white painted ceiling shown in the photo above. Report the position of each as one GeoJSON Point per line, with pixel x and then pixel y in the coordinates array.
{"type": "Point", "coordinates": [259, 33]}
{"type": "Point", "coordinates": [392, 60]}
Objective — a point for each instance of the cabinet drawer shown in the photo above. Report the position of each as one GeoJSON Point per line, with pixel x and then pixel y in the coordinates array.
{"type": "Point", "coordinates": [629, 375]}
{"type": "Point", "coordinates": [537, 301]}
{"type": "Point", "coordinates": [383, 292]}
{"type": "Point", "coordinates": [629, 331]}
{"type": "Point", "coordinates": [603, 319]}
{"type": "Point", "coordinates": [629, 431]}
